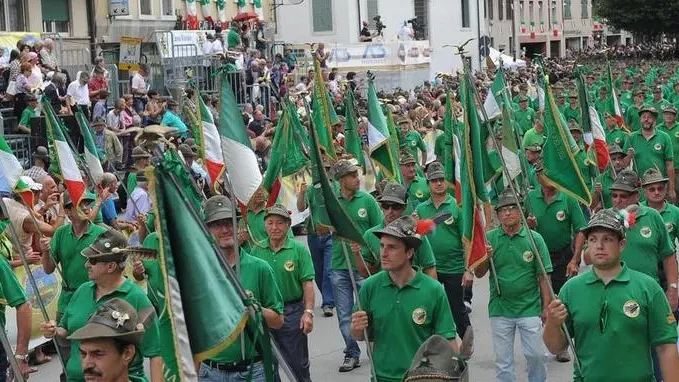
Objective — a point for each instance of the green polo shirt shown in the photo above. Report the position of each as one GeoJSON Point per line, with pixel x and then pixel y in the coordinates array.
{"type": "Point", "coordinates": [632, 119]}
{"type": "Point", "coordinates": [131, 182]}
{"type": "Point", "coordinates": [616, 135]}
{"type": "Point", "coordinates": [83, 305]}
{"type": "Point", "coordinates": [155, 286]}
{"type": "Point", "coordinates": [558, 221]}
{"type": "Point", "coordinates": [418, 192]}
{"type": "Point", "coordinates": [572, 113]}
{"type": "Point", "coordinates": [517, 273]}
{"type": "Point", "coordinates": [648, 243]}
{"type": "Point", "coordinates": [256, 277]}
{"type": "Point", "coordinates": [606, 179]}
{"type": "Point", "coordinates": [670, 215]}
{"type": "Point", "coordinates": [233, 39]}
{"type": "Point", "coordinates": [26, 116]}
{"type": "Point", "coordinates": [673, 133]}
{"type": "Point", "coordinates": [660, 105]}
{"type": "Point", "coordinates": [415, 312]}
{"type": "Point", "coordinates": [11, 291]}
{"type": "Point", "coordinates": [532, 138]}
{"type": "Point", "coordinates": [637, 318]}
{"type": "Point", "coordinates": [650, 153]}
{"type": "Point", "coordinates": [525, 119]}
{"type": "Point", "coordinates": [65, 249]}
{"type": "Point", "coordinates": [423, 257]}
{"type": "Point", "coordinates": [587, 167]}
{"type": "Point", "coordinates": [446, 240]}
{"type": "Point", "coordinates": [291, 265]}
{"type": "Point", "coordinates": [364, 211]}
{"type": "Point", "coordinates": [415, 143]}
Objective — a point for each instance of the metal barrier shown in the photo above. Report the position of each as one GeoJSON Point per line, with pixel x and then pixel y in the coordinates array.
{"type": "Point", "coordinates": [21, 147]}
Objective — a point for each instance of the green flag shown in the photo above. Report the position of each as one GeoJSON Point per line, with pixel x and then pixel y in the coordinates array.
{"type": "Point", "coordinates": [321, 112]}
{"type": "Point", "coordinates": [378, 137]}
{"type": "Point", "coordinates": [91, 154]}
{"type": "Point", "coordinates": [448, 157]}
{"type": "Point", "coordinates": [394, 145]}
{"type": "Point", "coordinates": [352, 141]}
{"type": "Point", "coordinates": [558, 153]}
{"type": "Point", "coordinates": [323, 201]}
{"type": "Point", "coordinates": [205, 312]}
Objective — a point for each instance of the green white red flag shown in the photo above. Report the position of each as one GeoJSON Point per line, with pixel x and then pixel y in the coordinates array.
{"type": "Point", "coordinates": [91, 154]}
{"type": "Point", "coordinates": [10, 174]}
{"type": "Point", "coordinates": [211, 152]}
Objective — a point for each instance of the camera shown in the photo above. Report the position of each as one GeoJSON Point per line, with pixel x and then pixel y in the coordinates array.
{"type": "Point", "coordinates": [378, 24]}
{"type": "Point", "coordinates": [418, 28]}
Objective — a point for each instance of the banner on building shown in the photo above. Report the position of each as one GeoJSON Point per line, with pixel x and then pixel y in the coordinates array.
{"type": "Point", "coordinates": [378, 54]}
{"type": "Point", "coordinates": [180, 43]}
{"type": "Point", "coordinates": [130, 53]}
{"type": "Point", "coordinates": [9, 40]}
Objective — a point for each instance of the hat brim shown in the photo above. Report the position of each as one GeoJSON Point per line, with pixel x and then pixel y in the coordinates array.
{"type": "Point", "coordinates": [592, 227]}
{"type": "Point", "coordinates": [436, 175]}
{"type": "Point", "coordinates": [281, 214]}
{"type": "Point", "coordinates": [653, 181]}
{"type": "Point", "coordinates": [505, 203]}
{"type": "Point", "coordinates": [408, 161]}
{"type": "Point", "coordinates": [108, 257]}
{"type": "Point", "coordinates": [654, 112]}
{"type": "Point", "coordinates": [350, 170]}
{"type": "Point", "coordinates": [145, 155]}
{"type": "Point", "coordinates": [94, 330]}
{"type": "Point", "coordinates": [411, 241]}
{"type": "Point", "coordinates": [392, 199]}
{"type": "Point", "coordinates": [219, 215]}
{"type": "Point", "coordinates": [622, 187]}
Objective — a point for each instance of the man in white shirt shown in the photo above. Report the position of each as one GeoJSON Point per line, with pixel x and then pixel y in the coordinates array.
{"type": "Point", "coordinates": [139, 88]}
{"type": "Point", "coordinates": [78, 93]}
{"type": "Point", "coordinates": [405, 33]}
{"type": "Point", "coordinates": [218, 45]}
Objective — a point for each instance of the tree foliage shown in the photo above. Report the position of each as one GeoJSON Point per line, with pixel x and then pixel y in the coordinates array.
{"type": "Point", "coordinates": [642, 17]}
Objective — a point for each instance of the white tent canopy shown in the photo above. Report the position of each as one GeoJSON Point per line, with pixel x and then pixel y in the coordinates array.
{"type": "Point", "coordinates": [507, 61]}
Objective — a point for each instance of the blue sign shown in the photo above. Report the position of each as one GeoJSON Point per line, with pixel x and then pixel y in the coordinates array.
{"type": "Point", "coordinates": [375, 51]}
{"type": "Point", "coordinates": [118, 8]}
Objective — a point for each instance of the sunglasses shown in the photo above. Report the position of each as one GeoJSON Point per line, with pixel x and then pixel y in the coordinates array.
{"type": "Point", "coordinates": [94, 261]}
{"type": "Point", "coordinates": [603, 316]}
{"type": "Point", "coordinates": [391, 206]}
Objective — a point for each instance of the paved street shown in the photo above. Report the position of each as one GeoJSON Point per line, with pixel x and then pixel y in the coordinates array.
{"type": "Point", "coordinates": [327, 345]}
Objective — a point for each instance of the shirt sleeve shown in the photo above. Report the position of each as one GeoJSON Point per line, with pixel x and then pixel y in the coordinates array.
{"type": "Point", "coordinates": [669, 149]}
{"type": "Point", "coordinates": [271, 297]}
{"type": "Point", "coordinates": [366, 252]}
{"type": "Point", "coordinates": [150, 343]}
{"type": "Point", "coordinates": [444, 325]}
{"type": "Point", "coordinates": [665, 246]}
{"type": "Point", "coordinates": [25, 118]}
{"type": "Point", "coordinates": [662, 326]}
{"type": "Point", "coordinates": [420, 144]}
{"type": "Point", "coordinates": [578, 222]}
{"type": "Point", "coordinates": [12, 291]}
{"type": "Point", "coordinates": [375, 213]}
{"type": "Point", "coordinates": [306, 265]}
{"type": "Point", "coordinates": [543, 252]}
{"type": "Point", "coordinates": [425, 255]}
{"type": "Point", "coordinates": [54, 244]}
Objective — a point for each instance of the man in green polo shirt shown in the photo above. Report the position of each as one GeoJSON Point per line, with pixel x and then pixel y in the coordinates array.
{"type": "Point", "coordinates": [446, 242]}
{"type": "Point", "coordinates": [24, 125]}
{"type": "Point", "coordinates": [105, 262]}
{"type": "Point", "coordinates": [658, 102]}
{"type": "Point", "coordinates": [257, 278]}
{"type": "Point", "coordinates": [523, 293]}
{"type": "Point", "coordinates": [294, 271]}
{"type": "Point", "coordinates": [233, 39]}
{"type": "Point", "coordinates": [614, 134]}
{"type": "Point", "coordinates": [655, 189]}
{"type": "Point", "coordinates": [586, 165]}
{"type": "Point", "coordinates": [525, 116]}
{"type": "Point", "coordinates": [671, 127]}
{"type": "Point", "coordinates": [412, 140]}
{"type": "Point", "coordinates": [651, 148]}
{"type": "Point", "coordinates": [393, 203]}
{"type": "Point", "coordinates": [611, 299]}
{"type": "Point", "coordinates": [648, 242]}
{"type": "Point", "coordinates": [572, 111]}
{"type": "Point", "coordinates": [418, 191]}
{"type": "Point", "coordinates": [364, 211]}
{"type": "Point", "coordinates": [400, 308]}
{"type": "Point", "coordinates": [65, 247]}
{"type": "Point", "coordinates": [602, 184]}
{"type": "Point", "coordinates": [632, 120]}
{"type": "Point", "coordinates": [534, 136]}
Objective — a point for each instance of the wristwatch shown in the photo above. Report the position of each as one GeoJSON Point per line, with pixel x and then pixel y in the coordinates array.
{"type": "Point", "coordinates": [673, 285]}
{"type": "Point", "coordinates": [311, 312]}
{"type": "Point", "coordinates": [21, 357]}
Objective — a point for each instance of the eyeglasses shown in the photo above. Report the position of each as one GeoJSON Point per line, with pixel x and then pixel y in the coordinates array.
{"type": "Point", "coordinates": [437, 180]}
{"type": "Point", "coordinates": [656, 188]}
{"type": "Point", "coordinates": [603, 316]}
{"type": "Point", "coordinates": [505, 209]}
{"type": "Point", "coordinates": [391, 206]}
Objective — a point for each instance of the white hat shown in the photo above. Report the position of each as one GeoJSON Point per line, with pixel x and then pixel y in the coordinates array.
{"type": "Point", "coordinates": [32, 185]}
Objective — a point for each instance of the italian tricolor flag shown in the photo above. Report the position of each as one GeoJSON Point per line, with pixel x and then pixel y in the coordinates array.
{"type": "Point", "coordinates": [69, 169]}
{"type": "Point", "coordinates": [91, 153]}
{"type": "Point", "coordinates": [240, 160]}
{"type": "Point", "coordinates": [10, 171]}
{"type": "Point", "coordinates": [211, 152]}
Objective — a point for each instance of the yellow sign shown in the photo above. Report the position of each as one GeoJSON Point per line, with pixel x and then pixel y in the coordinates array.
{"type": "Point", "coordinates": [130, 52]}
{"type": "Point", "coordinates": [8, 41]}
{"type": "Point", "coordinates": [49, 287]}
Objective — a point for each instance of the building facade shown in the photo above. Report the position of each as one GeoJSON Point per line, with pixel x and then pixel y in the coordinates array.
{"type": "Point", "coordinates": [443, 22]}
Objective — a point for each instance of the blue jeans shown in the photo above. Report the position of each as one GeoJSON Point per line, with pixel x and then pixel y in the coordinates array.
{"type": "Point", "coordinates": [293, 343]}
{"type": "Point", "coordinates": [208, 374]}
{"type": "Point", "coordinates": [530, 331]}
{"type": "Point", "coordinates": [344, 303]}
{"type": "Point", "coordinates": [321, 254]}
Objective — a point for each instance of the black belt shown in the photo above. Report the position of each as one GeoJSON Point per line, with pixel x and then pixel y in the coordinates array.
{"type": "Point", "coordinates": [232, 366]}
{"type": "Point", "coordinates": [293, 301]}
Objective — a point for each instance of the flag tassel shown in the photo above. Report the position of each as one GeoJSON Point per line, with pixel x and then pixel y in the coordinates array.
{"type": "Point", "coordinates": [533, 246]}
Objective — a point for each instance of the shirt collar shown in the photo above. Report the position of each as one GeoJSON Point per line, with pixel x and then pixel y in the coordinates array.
{"type": "Point", "coordinates": [557, 198]}
{"type": "Point", "coordinates": [415, 282]}
{"type": "Point", "coordinates": [286, 245]}
{"type": "Point", "coordinates": [521, 233]}
{"type": "Point", "coordinates": [621, 277]}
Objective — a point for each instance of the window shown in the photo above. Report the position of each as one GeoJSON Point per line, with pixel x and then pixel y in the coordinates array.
{"type": "Point", "coordinates": [490, 9]}
{"type": "Point", "coordinates": [421, 11]}
{"type": "Point", "coordinates": [510, 10]}
{"type": "Point", "coordinates": [585, 10]}
{"type": "Point", "coordinates": [12, 15]}
{"type": "Point", "coordinates": [167, 7]}
{"type": "Point", "coordinates": [373, 11]}
{"type": "Point", "coordinates": [553, 10]}
{"type": "Point", "coordinates": [567, 10]}
{"type": "Point", "coordinates": [145, 8]}
{"type": "Point", "coordinates": [500, 5]}
{"type": "Point", "coordinates": [321, 13]}
{"type": "Point", "coordinates": [465, 14]}
{"type": "Point", "coordinates": [55, 16]}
